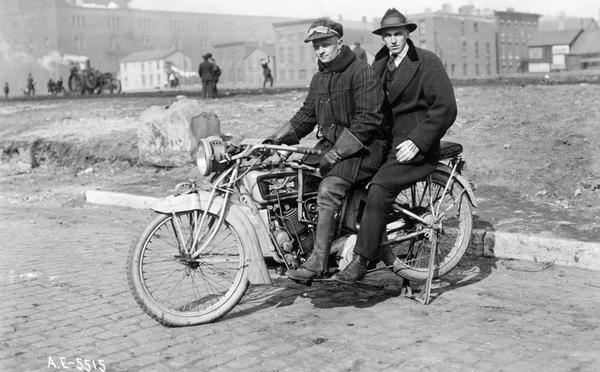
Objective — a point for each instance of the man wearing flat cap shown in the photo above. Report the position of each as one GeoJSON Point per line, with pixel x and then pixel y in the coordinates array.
{"type": "Point", "coordinates": [344, 102]}
{"type": "Point", "coordinates": [421, 106]}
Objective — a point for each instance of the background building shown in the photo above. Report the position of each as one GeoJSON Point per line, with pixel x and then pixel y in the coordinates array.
{"type": "Point", "coordinates": [585, 53]}
{"type": "Point", "coordinates": [36, 34]}
{"type": "Point", "coordinates": [240, 63]}
{"type": "Point", "coordinates": [548, 50]}
{"type": "Point", "coordinates": [514, 32]}
{"type": "Point", "coordinates": [464, 41]}
{"type": "Point", "coordinates": [150, 69]}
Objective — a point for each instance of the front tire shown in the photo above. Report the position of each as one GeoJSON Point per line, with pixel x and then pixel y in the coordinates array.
{"type": "Point", "coordinates": [452, 238]}
{"type": "Point", "coordinates": [179, 291]}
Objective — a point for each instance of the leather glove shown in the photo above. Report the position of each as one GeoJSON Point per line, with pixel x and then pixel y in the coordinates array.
{"type": "Point", "coordinates": [328, 160]}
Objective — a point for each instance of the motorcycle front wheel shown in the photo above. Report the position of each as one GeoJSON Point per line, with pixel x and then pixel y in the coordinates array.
{"type": "Point", "coordinates": [177, 290]}
{"type": "Point", "coordinates": [427, 199]}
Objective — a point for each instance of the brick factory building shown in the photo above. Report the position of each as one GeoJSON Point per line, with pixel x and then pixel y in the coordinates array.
{"type": "Point", "coordinates": [36, 34]}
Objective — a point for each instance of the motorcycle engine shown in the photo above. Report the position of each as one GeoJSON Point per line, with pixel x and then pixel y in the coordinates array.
{"type": "Point", "coordinates": [294, 237]}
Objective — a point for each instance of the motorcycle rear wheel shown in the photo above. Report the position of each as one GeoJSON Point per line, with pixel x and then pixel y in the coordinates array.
{"type": "Point", "coordinates": [452, 239]}
{"type": "Point", "coordinates": [176, 291]}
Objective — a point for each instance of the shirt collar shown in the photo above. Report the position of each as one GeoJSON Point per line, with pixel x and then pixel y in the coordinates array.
{"type": "Point", "coordinates": [401, 56]}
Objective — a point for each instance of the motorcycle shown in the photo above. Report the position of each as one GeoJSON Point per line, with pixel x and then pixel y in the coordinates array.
{"type": "Point", "coordinates": [194, 261]}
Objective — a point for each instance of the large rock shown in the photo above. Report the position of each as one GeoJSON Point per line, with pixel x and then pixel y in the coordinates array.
{"type": "Point", "coordinates": [169, 135]}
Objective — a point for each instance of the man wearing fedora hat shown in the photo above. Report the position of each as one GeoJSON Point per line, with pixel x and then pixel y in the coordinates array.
{"type": "Point", "coordinates": [421, 106]}
{"type": "Point", "coordinates": [206, 71]}
{"type": "Point", "coordinates": [344, 102]}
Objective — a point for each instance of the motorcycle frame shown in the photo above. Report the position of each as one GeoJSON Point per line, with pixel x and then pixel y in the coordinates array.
{"type": "Point", "coordinates": [248, 222]}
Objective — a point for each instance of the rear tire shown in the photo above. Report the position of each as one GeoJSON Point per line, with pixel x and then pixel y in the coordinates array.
{"type": "Point", "coordinates": [176, 291]}
{"type": "Point", "coordinates": [452, 240]}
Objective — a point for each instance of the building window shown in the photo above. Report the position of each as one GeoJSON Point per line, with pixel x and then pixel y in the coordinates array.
{"type": "Point", "coordinates": [422, 28]}
{"type": "Point", "coordinates": [423, 44]}
{"type": "Point", "coordinates": [144, 23]}
{"type": "Point", "coordinates": [290, 56]}
{"type": "Point", "coordinates": [301, 55]}
{"type": "Point", "coordinates": [291, 75]}
{"type": "Point", "coordinates": [113, 22]}
{"type": "Point", "coordinates": [464, 49]}
{"type": "Point", "coordinates": [475, 27]}
{"type": "Point", "coordinates": [476, 49]}
{"type": "Point", "coordinates": [79, 43]}
{"type": "Point", "coordinates": [487, 49]}
{"type": "Point", "coordinates": [452, 69]}
{"type": "Point", "coordinates": [488, 69]}
{"type": "Point", "coordinates": [281, 55]}
{"type": "Point", "coordinates": [230, 27]}
{"type": "Point", "coordinates": [535, 53]}
{"type": "Point", "coordinates": [302, 74]}
{"type": "Point", "coordinates": [477, 69]}
{"type": "Point", "coordinates": [462, 28]}
{"type": "Point", "coordinates": [146, 43]}
{"type": "Point", "coordinates": [174, 24]}
{"type": "Point", "coordinates": [114, 43]}
{"type": "Point", "coordinates": [465, 70]}
{"type": "Point", "coordinates": [78, 21]}
{"type": "Point", "coordinates": [203, 26]}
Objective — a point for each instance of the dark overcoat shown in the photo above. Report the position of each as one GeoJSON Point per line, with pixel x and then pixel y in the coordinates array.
{"type": "Point", "coordinates": [420, 101]}
{"type": "Point", "coordinates": [206, 71]}
{"type": "Point", "coordinates": [345, 101]}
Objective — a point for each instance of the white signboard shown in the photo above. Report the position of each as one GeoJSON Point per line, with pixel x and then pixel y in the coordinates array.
{"type": "Point", "coordinates": [560, 49]}
{"type": "Point", "coordinates": [539, 67]}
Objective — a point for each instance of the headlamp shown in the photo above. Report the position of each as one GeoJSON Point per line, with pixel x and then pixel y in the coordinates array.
{"type": "Point", "coordinates": [211, 150]}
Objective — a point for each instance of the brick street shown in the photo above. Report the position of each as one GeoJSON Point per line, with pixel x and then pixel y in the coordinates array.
{"type": "Point", "coordinates": [65, 296]}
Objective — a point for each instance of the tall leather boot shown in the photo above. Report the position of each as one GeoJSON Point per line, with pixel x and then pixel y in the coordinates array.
{"type": "Point", "coordinates": [316, 264]}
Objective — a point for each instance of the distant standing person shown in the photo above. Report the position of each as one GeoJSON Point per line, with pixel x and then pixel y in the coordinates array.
{"type": "Point", "coordinates": [6, 90]}
{"type": "Point", "coordinates": [30, 85]}
{"type": "Point", "coordinates": [217, 74]}
{"type": "Point", "coordinates": [206, 71]}
{"type": "Point", "coordinates": [360, 52]}
{"type": "Point", "coordinates": [266, 72]}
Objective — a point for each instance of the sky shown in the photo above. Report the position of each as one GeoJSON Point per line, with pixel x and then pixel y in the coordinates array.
{"type": "Point", "coordinates": [354, 10]}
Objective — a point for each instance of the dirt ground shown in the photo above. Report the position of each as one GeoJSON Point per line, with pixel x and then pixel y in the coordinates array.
{"type": "Point", "coordinates": [531, 150]}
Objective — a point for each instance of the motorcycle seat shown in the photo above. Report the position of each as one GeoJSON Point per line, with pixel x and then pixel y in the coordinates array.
{"type": "Point", "coordinates": [450, 149]}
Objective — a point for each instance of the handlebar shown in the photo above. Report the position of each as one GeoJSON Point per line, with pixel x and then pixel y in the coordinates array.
{"type": "Point", "coordinates": [298, 149]}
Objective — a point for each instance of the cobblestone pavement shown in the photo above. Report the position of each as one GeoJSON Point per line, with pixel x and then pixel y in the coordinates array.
{"type": "Point", "coordinates": [65, 296]}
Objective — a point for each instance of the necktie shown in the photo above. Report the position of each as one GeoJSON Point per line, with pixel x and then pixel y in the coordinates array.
{"type": "Point", "coordinates": [392, 63]}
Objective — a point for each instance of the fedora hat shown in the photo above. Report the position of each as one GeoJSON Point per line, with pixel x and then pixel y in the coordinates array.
{"type": "Point", "coordinates": [393, 19]}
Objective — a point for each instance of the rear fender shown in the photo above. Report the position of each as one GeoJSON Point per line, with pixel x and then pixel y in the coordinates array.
{"type": "Point", "coordinates": [242, 220]}
{"type": "Point", "coordinates": [443, 168]}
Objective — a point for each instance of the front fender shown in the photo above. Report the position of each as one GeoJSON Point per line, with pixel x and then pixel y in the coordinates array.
{"type": "Point", "coordinates": [441, 167]}
{"type": "Point", "coordinates": [241, 219]}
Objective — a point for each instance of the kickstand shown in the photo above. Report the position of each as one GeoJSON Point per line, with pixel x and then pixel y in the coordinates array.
{"type": "Point", "coordinates": [425, 294]}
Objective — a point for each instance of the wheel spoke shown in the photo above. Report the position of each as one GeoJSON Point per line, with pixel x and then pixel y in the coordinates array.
{"type": "Point", "coordinates": [182, 286]}
{"type": "Point", "coordinates": [452, 225]}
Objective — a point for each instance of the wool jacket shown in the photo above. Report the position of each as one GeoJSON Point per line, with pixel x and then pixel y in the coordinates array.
{"type": "Point", "coordinates": [345, 101]}
{"type": "Point", "coordinates": [206, 71]}
{"type": "Point", "coordinates": [420, 100]}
